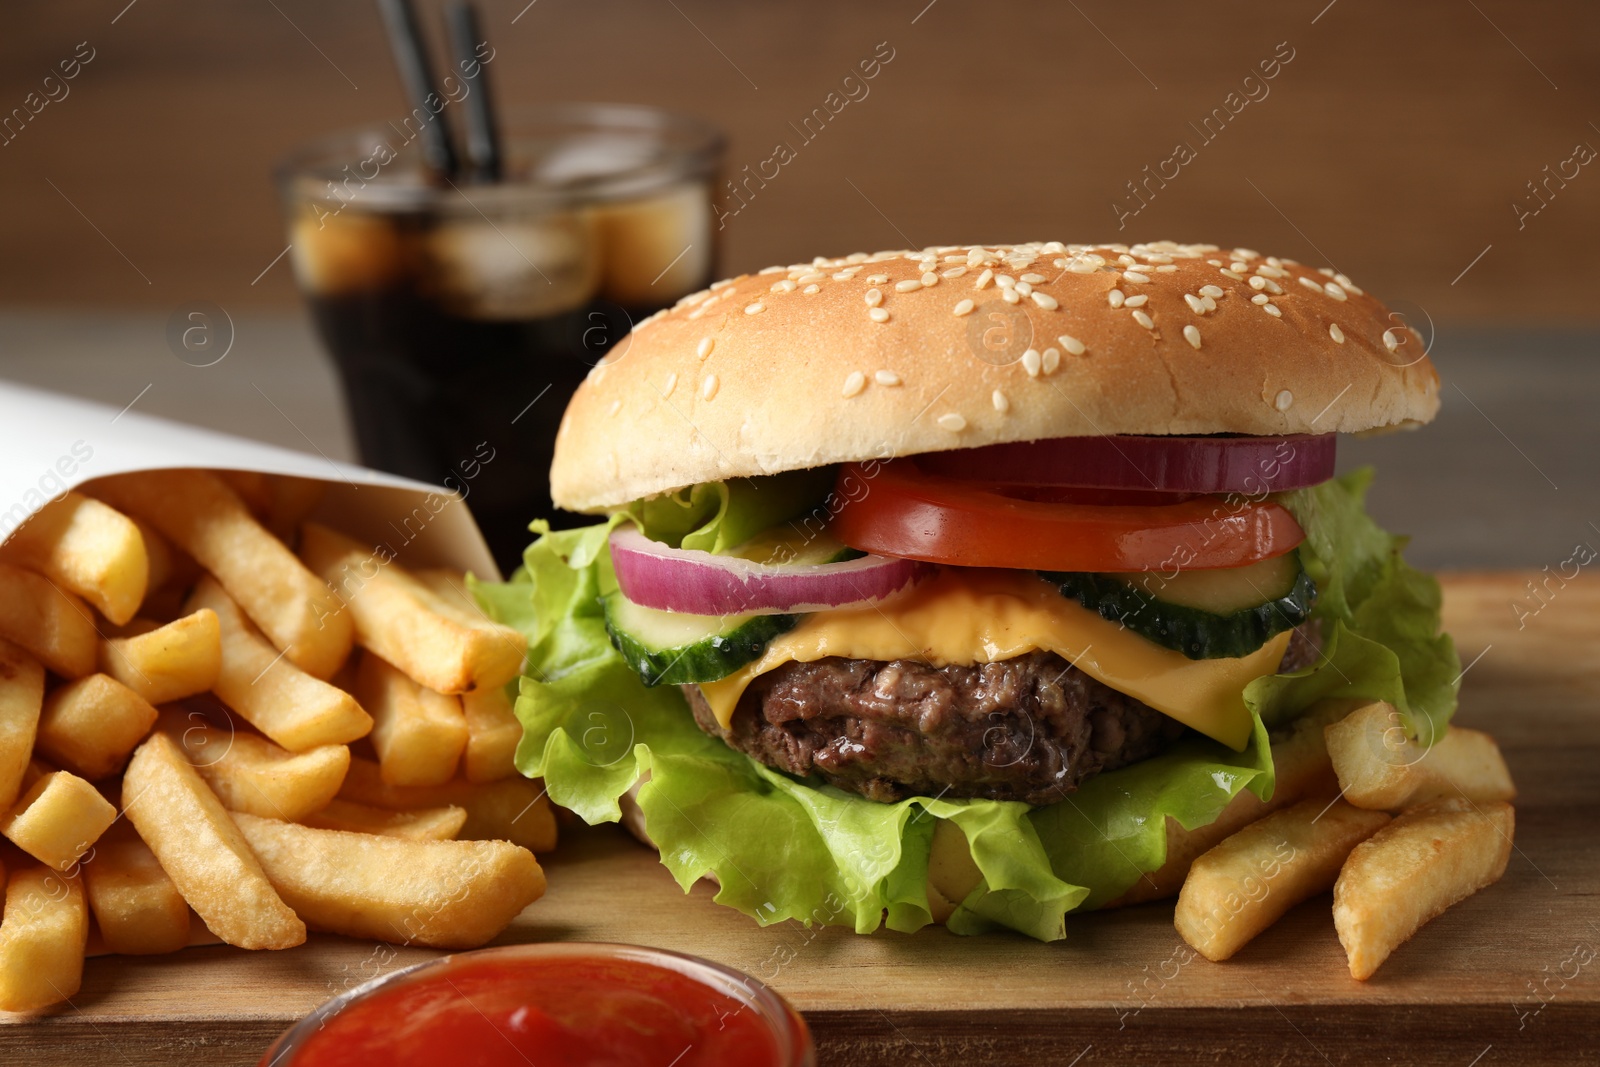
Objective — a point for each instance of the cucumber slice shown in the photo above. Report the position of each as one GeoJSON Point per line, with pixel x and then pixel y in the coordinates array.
{"type": "Point", "coordinates": [671, 648]}
{"type": "Point", "coordinates": [1204, 614]}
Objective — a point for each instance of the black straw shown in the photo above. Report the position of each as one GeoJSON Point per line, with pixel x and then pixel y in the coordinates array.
{"type": "Point", "coordinates": [483, 137]}
{"type": "Point", "coordinates": [411, 57]}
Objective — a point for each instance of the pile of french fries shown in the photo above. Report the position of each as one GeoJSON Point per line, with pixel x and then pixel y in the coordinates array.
{"type": "Point", "coordinates": [1410, 831]}
{"type": "Point", "coordinates": [199, 720]}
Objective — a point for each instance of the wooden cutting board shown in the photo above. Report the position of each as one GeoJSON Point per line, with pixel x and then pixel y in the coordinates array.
{"type": "Point", "coordinates": [1506, 977]}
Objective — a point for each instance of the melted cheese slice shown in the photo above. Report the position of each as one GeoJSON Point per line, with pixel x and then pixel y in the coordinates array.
{"type": "Point", "coordinates": [982, 616]}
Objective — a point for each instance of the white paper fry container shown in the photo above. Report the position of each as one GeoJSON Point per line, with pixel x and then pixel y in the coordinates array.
{"type": "Point", "coordinates": [51, 443]}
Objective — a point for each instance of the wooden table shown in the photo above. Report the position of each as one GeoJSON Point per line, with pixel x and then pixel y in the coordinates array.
{"type": "Point", "coordinates": [1480, 985]}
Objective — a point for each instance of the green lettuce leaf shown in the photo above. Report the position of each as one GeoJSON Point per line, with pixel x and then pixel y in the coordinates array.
{"type": "Point", "coordinates": [782, 848]}
{"type": "Point", "coordinates": [717, 516]}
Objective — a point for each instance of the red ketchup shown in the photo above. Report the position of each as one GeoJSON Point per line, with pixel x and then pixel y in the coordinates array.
{"type": "Point", "coordinates": [606, 1005]}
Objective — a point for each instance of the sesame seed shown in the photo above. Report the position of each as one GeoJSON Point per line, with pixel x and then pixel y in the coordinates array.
{"type": "Point", "coordinates": [1031, 362]}
{"type": "Point", "coordinates": [616, 406]}
{"type": "Point", "coordinates": [1273, 287]}
{"type": "Point", "coordinates": [708, 388]}
{"type": "Point", "coordinates": [1284, 399]}
{"type": "Point", "coordinates": [1192, 335]}
{"type": "Point", "coordinates": [910, 285]}
{"type": "Point", "coordinates": [1044, 300]}
{"type": "Point", "coordinates": [1024, 288]}
{"type": "Point", "coordinates": [1390, 341]}
{"type": "Point", "coordinates": [1309, 283]}
{"type": "Point", "coordinates": [952, 422]}
{"type": "Point", "coordinates": [755, 309]}
{"type": "Point", "coordinates": [1050, 360]}
{"type": "Point", "coordinates": [1134, 276]}
{"type": "Point", "coordinates": [1001, 404]}
{"type": "Point", "coordinates": [1136, 301]}
{"type": "Point", "coordinates": [886, 377]}
{"type": "Point", "coordinates": [812, 290]}
{"type": "Point", "coordinates": [1005, 281]}
{"type": "Point", "coordinates": [1144, 320]}
{"type": "Point", "coordinates": [1196, 305]}
{"type": "Point", "coordinates": [1215, 292]}
{"type": "Point", "coordinates": [1260, 298]}
{"type": "Point", "coordinates": [1246, 253]}
{"type": "Point", "coordinates": [1348, 284]}
{"type": "Point", "coordinates": [963, 307]}
{"type": "Point", "coordinates": [1336, 333]}
{"type": "Point", "coordinates": [1116, 297]}
{"type": "Point", "coordinates": [1236, 276]}
{"type": "Point", "coordinates": [1257, 282]}
{"type": "Point", "coordinates": [812, 278]}
{"type": "Point", "coordinates": [1158, 258]}
{"type": "Point", "coordinates": [1126, 260]}
{"type": "Point", "coordinates": [954, 272]}
{"type": "Point", "coordinates": [1034, 279]}
{"type": "Point", "coordinates": [873, 297]}
{"type": "Point", "coordinates": [854, 383]}
{"type": "Point", "coordinates": [1083, 266]}
{"type": "Point", "coordinates": [1236, 265]}
{"type": "Point", "coordinates": [1333, 290]}
{"type": "Point", "coordinates": [770, 270]}
{"type": "Point", "coordinates": [843, 276]}
{"type": "Point", "coordinates": [1272, 309]}
{"type": "Point", "coordinates": [1166, 269]}
{"type": "Point", "coordinates": [1072, 344]}
{"type": "Point", "coordinates": [1269, 270]}
{"type": "Point", "coordinates": [1010, 296]}
{"type": "Point", "coordinates": [877, 279]}
{"type": "Point", "coordinates": [877, 315]}
{"type": "Point", "coordinates": [984, 279]}
{"type": "Point", "coordinates": [669, 385]}
{"type": "Point", "coordinates": [1215, 262]}
{"type": "Point", "coordinates": [930, 279]}
{"type": "Point", "coordinates": [1208, 303]}
{"type": "Point", "coordinates": [703, 349]}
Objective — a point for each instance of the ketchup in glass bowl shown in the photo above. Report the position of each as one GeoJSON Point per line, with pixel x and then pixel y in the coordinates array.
{"type": "Point", "coordinates": [561, 1004]}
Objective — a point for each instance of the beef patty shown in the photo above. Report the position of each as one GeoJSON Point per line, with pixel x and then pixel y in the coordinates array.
{"type": "Point", "coordinates": [1030, 728]}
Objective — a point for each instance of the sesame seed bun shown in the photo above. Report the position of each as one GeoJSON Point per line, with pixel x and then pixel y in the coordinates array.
{"type": "Point", "coordinates": [905, 352]}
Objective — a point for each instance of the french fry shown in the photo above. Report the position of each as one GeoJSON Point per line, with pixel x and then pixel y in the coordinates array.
{"type": "Point", "coordinates": [433, 640]}
{"type": "Point", "coordinates": [512, 809]}
{"type": "Point", "coordinates": [1380, 767]}
{"type": "Point", "coordinates": [418, 734]}
{"type": "Point", "coordinates": [1410, 871]}
{"type": "Point", "coordinates": [293, 708]}
{"type": "Point", "coordinates": [445, 894]}
{"type": "Point", "coordinates": [160, 559]}
{"type": "Point", "coordinates": [137, 908]}
{"type": "Point", "coordinates": [21, 699]}
{"type": "Point", "coordinates": [167, 663]}
{"type": "Point", "coordinates": [253, 488]}
{"type": "Point", "coordinates": [90, 726]}
{"type": "Point", "coordinates": [49, 622]}
{"type": "Point", "coordinates": [86, 548]}
{"type": "Point", "coordinates": [424, 824]}
{"type": "Point", "coordinates": [293, 499]}
{"type": "Point", "coordinates": [1303, 770]}
{"type": "Point", "coordinates": [493, 734]}
{"type": "Point", "coordinates": [204, 517]}
{"type": "Point", "coordinates": [1247, 882]}
{"type": "Point", "coordinates": [42, 939]}
{"type": "Point", "coordinates": [249, 773]}
{"type": "Point", "coordinates": [58, 819]}
{"type": "Point", "coordinates": [202, 850]}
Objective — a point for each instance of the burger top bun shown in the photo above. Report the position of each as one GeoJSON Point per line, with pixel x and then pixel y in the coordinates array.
{"type": "Point", "coordinates": [873, 356]}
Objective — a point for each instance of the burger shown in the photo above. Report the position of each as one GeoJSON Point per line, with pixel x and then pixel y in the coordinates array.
{"type": "Point", "coordinates": [976, 584]}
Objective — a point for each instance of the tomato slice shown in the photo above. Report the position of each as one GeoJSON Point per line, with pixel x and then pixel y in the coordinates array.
{"type": "Point", "coordinates": [897, 509]}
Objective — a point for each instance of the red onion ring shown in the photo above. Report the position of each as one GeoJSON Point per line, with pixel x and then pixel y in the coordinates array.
{"type": "Point", "coordinates": [1166, 464]}
{"type": "Point", "coordinates": [653, 575]}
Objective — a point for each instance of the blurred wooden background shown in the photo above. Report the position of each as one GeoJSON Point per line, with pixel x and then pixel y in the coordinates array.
{"type": "Point", "coordinates": [1394, 143]}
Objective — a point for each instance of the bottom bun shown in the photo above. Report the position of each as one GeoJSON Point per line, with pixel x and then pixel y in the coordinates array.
{"type": "Point", "coordinates": [1300, 760]}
